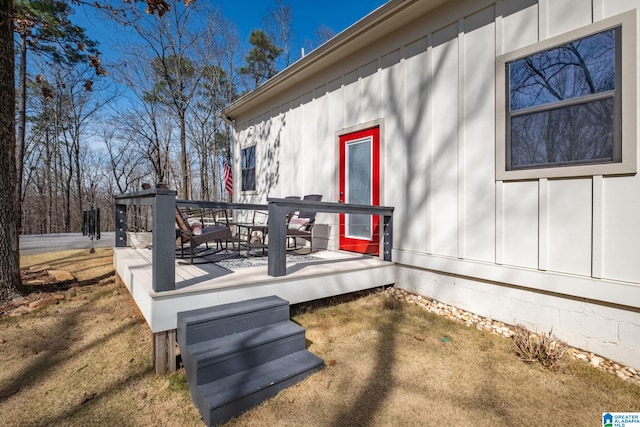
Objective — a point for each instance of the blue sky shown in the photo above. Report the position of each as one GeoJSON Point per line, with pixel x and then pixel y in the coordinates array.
{"type": "Point", "coordinates": [248, 15]}
{"type": "Point", "coordinates": [308, 15]}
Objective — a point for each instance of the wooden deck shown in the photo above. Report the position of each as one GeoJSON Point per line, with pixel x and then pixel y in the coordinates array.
{"type": "Point", "coordinates": [329, 273]}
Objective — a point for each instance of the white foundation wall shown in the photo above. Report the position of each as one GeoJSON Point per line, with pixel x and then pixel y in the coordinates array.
{"type": "Point", "coordinates": [607, 330]}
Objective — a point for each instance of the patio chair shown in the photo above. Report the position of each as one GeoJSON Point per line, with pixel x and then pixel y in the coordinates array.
{"type": "Point", "coordinates": [290, 214]}
{"type": "Point", "coordinates": [300, 225]}
{"type": "Point", "coordinates": [196, 232]}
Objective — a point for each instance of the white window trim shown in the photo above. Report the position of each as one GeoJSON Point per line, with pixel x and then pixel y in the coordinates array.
{"type": "Point", "coordinates": [629, 54]}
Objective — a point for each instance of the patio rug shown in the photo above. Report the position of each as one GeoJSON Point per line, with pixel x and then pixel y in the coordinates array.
{"type": "Point", "coordinates": [233, 261]}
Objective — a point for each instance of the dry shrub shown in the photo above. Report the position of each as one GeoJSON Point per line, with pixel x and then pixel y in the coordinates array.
{"type": "Point", "coordinates": [391, 303]}
{"type": "Point", "coordinates": [532, 347]}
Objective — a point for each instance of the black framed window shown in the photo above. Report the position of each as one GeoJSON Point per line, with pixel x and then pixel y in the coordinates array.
{"type": "Point", "coordinates": [248, 165]}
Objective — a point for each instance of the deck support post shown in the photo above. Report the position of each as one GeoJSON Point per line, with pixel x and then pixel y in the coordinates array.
{"type": "Point", "coordinates": [119, 280]}
{"type": "Point", "coordinates": [164, 352]}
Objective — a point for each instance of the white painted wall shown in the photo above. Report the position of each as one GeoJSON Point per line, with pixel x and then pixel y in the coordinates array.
{"type": "Point", "coordinates": [431, 85]}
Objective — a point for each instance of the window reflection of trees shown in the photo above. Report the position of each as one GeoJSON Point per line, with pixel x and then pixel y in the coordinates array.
{"type": "Point", "coordinates": [248, 165]}
{"type": "Point", "coordinates": [562, 101]}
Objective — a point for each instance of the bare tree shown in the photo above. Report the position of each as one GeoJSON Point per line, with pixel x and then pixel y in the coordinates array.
{"type": "Point", "coordinates": [175, 44]}
{"type": "Point", "coordinates": [208, 130]}
{"type": "Point", "coordinates": [278, 26]}
{"type": "Point", "coordinates": [44, 28]}
{"type": "Point", "coordinates": [124, 163]}
{"type": "Point", "coordinates": [61, 109]}
{"type": "Point", "coordinates": [323, 34]}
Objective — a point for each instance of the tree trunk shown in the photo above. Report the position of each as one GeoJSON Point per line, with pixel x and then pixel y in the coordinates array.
{"type": "Point", "coordinates": [204, 170]}
{"type": "Point", "coordinates": [186, 173]}
{"type": "Point", "coordinates": [22, 123]}
{"type": "Point", "coordinates": [67, 197]}
{"type": "Point", "coordinates": [10, 285]}
{"type": "Point", "coordinates": [78, 175]}
{"type": "Point", "coordinates": [48, 185]}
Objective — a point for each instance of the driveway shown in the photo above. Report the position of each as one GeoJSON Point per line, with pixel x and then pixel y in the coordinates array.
{"type": "Point", "coordinates": [39, 243]}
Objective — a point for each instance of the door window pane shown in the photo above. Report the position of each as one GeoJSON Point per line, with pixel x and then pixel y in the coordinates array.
{"type": "Point", "coordinates": [358, 176]}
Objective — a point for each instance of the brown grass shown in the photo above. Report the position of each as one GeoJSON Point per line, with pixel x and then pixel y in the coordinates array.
{"type": "Point", "coordinates": [87, 361]}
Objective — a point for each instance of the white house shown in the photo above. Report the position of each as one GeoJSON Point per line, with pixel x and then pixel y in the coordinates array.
{"type": "Point", "coordinates": [504, 133]}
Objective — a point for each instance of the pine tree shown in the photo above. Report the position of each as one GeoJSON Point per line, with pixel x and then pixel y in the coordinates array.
{"type": "Point", "coordinates": [261, 60]}
{"type": "Point", "coordinates": [10, 285]}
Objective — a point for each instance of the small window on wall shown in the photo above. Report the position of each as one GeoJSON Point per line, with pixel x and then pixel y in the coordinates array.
{"type": "Point", "coordinates": [248, 164]}
{"type": "Point", "coordinates": [569, 104]}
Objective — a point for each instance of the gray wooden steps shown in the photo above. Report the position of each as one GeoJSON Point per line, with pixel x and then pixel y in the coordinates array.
{"type": "Point", "coordinates": [237, 355]}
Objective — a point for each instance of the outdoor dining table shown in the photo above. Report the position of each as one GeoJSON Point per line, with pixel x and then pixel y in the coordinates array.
{"type": "Point", "coordinates": [247, 229]}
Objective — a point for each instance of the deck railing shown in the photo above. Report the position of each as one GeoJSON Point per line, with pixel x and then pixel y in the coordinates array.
{"type": "Point", "coordinates": [278, 209]}
{"type": "Point", "coordinates": [164, 202]}
{"type": "Point", "coordinates": [163, 241]}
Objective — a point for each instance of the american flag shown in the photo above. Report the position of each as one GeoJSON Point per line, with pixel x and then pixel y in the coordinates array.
{"type": "Point", "coordinates": [228, 178]}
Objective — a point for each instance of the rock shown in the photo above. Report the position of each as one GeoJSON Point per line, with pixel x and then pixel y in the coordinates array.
{"type": "Point", "coordinates": [596, 361]}
{"type": "Point", "coordinates": [19, 311]}
{"type": "Point", "coordinates": [40, 303]}
{"type": "Point", "coordinates": [59, 297]}
{"type": "Point", "coordinates": [39, 268]}
{"type": "Point", "coordinates": [21, 301]}
{"type": "Point", "coordinates": [61, 275]}
{"type": "Point", "coordinates": [35, 282]}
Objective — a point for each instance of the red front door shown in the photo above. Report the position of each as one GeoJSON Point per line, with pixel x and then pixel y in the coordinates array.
{"type": "Point", "coordinates": [360, 184]}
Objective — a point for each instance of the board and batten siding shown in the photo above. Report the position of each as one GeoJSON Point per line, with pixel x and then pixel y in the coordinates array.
{"type": "Point", "coordinates": [431, 86]}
